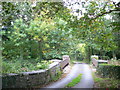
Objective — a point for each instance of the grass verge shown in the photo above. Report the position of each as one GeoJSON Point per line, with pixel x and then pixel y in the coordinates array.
{"type": "Point", "coordinates": [74, 81]}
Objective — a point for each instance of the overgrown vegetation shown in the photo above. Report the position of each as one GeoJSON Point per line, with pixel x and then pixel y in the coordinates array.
{"type": "Point", "coordinates": [57, 76]}
{"type": "Point", "coordinates": [18, 66]}
{"type": "Point", "coordinates": [110, 71]}
{"type": "Point", "coordinates": [74, 81]}
{"type": "Point", "coordinates": [107, 75]}
{"type": "Point", "coordinates": [100, 82]}
{"type": "Point", "coordinates": [33, 30]}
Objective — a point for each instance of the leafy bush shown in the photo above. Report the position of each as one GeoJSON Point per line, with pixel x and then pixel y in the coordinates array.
{"type": "Point", "coordinates": [42, 65]}
{"type": "Point", "coordinates": [6, 67]}
{"type": "Point", "coordinates": [18, 66]}
{"type": "Point", "coordinates": [108, 70]}
{"type": "Point", "coordinates": [57, 76]}
{"type": "Point", "coordinates": [94, 56]}
{"type": "Point", "coordinates": [100, 82]}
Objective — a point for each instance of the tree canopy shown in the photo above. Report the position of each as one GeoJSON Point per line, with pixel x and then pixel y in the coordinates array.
{"type": "Point", "coordinates": [46, 30]}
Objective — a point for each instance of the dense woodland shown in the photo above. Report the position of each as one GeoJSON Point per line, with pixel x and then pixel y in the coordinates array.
{"type": "Point", "coordinates": [37, 31]}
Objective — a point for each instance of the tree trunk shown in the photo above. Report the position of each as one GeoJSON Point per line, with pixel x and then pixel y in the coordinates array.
{"type": "Point", "coordinates": [114, 56]}
{"type": "Point", "coordinates": [101, 53]}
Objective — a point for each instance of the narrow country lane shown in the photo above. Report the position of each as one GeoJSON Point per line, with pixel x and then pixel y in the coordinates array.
{"type": "Point", "coordinates": [86, 81]}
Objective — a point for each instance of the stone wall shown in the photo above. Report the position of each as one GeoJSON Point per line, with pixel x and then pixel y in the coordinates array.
{"type": "Point", "coordinates": [66, 61]}
{"type": "Point", "coordinates": [34, 78]}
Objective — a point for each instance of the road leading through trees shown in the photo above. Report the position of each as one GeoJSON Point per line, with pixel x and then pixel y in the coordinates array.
{"type": "Point", "coordinates": [86, 80]}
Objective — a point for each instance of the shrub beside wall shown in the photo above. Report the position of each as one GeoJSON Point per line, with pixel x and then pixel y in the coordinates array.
{"type": "Point", "coordinates": [108, 70]}
{"type": "Point", "coordinates": [34, 78]}
{"type": "Point", "coordinates": [29, 79]}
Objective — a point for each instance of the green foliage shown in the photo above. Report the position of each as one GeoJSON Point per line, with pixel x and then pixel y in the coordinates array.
{"type": "Point", "coordinates": [15, 10]}
{"type": "Point", "coordinates": [18, 66]}
{"type": "Point", "coordinates": [107, 70]}
{"type": "Point", "coordinates": [43, 64]}
{"type": "Point", "coordinates": [74, 81]}
{"type": "Point", "coordinates": [37, 35]}
{"type": "Point", "coordinates": [104, 58]}
{"type": "Point", "coordinates": [41, 31]}
{"type": "Point", "coordinates": [105, 82]}
{"type": "Point", "coordinates": [80, 52]}
{"type": "Point", "coordinates": [34, 33]}
{"type": "Point", "coordinates": [116, 25]}
{"type": "Point", "coordinates": [58, 75]}
{"type": "Point", "coordinates": [94, 56]}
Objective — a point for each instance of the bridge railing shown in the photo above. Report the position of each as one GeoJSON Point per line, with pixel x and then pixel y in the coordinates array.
{"type": "Point", "coordinates": [96, 62]}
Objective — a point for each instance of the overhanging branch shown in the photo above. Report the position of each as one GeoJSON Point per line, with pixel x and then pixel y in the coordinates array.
{"type": "Point", "coordinates": [99, 15]}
